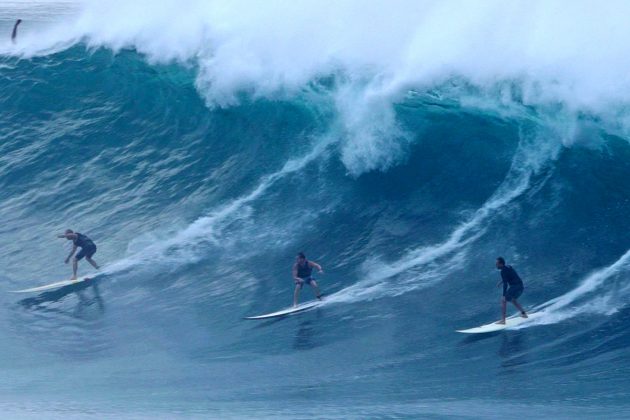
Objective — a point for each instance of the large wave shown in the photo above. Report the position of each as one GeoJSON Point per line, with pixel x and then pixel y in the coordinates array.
{"type": "Point", "coordinates": [402, 145]}
{"type": "Point", "coordinates": [546, 54]}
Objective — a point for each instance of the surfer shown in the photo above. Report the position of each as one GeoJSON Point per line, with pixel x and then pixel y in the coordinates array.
{"type": "Point", "coordinates": [302, 270]}
{"type": "Point", "coordinates": [512, 288]}
{"type": "Point", "coordinates": [15, 27]}
{"type": "Point", "coordinates": [88, 248]}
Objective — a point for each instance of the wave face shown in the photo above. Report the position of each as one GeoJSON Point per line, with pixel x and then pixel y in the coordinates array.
{"type": "Point", "coordinates": [404, 147]}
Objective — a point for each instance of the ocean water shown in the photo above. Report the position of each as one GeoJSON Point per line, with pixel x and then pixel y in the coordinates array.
{"type": "Point", "coordinates": [402, 145]}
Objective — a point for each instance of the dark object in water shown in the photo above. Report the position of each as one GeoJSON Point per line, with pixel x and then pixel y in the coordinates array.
{"type": "Point", "coordinates": [14, 33]}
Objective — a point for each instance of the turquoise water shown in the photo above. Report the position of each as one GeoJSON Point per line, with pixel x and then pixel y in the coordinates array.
{"type": "Point", "coordinates": [201, 157]}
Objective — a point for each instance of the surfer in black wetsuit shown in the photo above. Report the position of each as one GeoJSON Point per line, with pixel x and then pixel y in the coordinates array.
{"type": "Point", "coordinates": [15, 27]}
{"type": "Point", "coordinates": [512, 288]}
{"type": "Point", "coordinates": [302, 270]}
{"type": "Point", "coordinates": [88, 248]}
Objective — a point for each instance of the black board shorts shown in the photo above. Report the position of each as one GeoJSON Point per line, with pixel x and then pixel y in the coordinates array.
{"type": "Point", "coordinates": [514, 292]}
{"type": "Point", "coordinates": [306, 280]}
{"type": "Point", "coordinates": [86, 251]}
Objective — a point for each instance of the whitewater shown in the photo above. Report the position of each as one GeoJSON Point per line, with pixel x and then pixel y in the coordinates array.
{"type": "Point", "coordinates": [402, 145]}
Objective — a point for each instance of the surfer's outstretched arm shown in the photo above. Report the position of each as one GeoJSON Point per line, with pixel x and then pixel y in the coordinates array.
{"type": "Point", "coordinates": [315, 265]}
{"type": "Point", "coordinates": [75, 263]}
{"type": "Point", "coordinates": [74, 249]}
{"type": "Point", "coordinates": [15, 27]}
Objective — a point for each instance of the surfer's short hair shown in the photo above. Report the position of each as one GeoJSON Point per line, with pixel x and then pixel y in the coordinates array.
{"type": "Point", "coordinates": [301, 255]}
{"type": "Point", "coordinates": [501, 260]}
{"type": "Point", "coordinates": [69, 231]}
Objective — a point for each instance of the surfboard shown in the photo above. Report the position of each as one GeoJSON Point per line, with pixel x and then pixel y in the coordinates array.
{"type": "Point", "coordinates": [510, 322]}
{"type": "Point", "coordinates": [56, 285]}
{"type": "Point", "coordinates": [288, 311]}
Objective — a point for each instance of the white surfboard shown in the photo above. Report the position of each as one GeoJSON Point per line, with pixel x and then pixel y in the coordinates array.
{"type": "Point", "coordinates": [510, 322]}
{"type": "Point", "coordinates": [288, 311]}
{"type": "Point", "coordinates": [56, 285]}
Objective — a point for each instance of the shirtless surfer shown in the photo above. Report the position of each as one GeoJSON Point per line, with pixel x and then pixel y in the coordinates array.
{"type": "Point", "coordinates": [512, 288]}
{"type": "Point", "coordinates": [88, 248]}
{"type": "Point", "coordinates": [302, 270]}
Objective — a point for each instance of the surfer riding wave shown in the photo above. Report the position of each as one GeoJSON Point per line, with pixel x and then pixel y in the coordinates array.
{"type": "Point", "coordinates": [88, 249]}
{"type": "Point", "coordinates": [302, 274]}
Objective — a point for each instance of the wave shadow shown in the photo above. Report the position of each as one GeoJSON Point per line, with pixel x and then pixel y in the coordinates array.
{"type": "Point", "coordinates": [45, 301]}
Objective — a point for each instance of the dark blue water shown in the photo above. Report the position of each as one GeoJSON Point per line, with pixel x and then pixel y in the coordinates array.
{"type": "Point", "coordinates": [198, 206]}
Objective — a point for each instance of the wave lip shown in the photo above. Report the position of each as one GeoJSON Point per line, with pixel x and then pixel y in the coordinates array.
{"type": "Point", "coordinates": [552, 49]}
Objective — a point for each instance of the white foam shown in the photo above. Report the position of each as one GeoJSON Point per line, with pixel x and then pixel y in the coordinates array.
{"type": "Point", "coordinates": [572, 55]}
{"type": "Point", "coordinates": [600, 292]}
{"type": "Point", "coordinates": [422, 265]}
{"type": "Point", "coordinates": [178, 247]}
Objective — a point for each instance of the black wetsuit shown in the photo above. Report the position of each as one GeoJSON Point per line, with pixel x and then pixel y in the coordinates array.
{"type": "Point", "coordinates": [304, 272]}
{"type": "Point", "coordinates": [512, 283]}
{"type": "Point", "coordinates": [88, 248]}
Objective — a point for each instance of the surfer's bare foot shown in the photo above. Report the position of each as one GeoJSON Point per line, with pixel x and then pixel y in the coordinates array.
{"type": "Point", "coordinates": [524, 315]}
{"type": "Point", "coordinates": [502, 322]}
{"type": "Point", "coordinates": [73, 278]}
